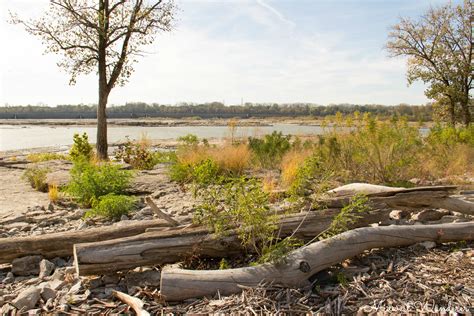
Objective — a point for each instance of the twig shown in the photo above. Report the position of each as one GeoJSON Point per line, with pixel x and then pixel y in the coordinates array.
{"type": "Point", "coordinates": [158, 212]}
{"type": "Point", "coordinates": [133, 302]}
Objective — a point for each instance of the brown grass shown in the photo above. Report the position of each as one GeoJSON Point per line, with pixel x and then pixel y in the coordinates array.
{"type": "Point", "coordinates": [53, 193]}
{"type": "Point", "coordinates": [290, 164]}
{"type": "Point", "coordinates": [232, 158]}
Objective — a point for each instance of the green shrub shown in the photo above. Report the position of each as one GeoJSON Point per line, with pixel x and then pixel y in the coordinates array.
{"type": "Point", "coordinates": [277, 252]}
{"type": "Point", "coordinates": [307, 175]}
{"type": "Point", "coordinates": [39, 157]}
{"type": "Point", "coordinates": [270, 150]}
{"type": "Point", "coordinates": [137, 154]}
{"type": "Point", "coordinates": [205, 172]}
{"type": "Point", "coordinates": [181, 172]}
{"type": "Point", "coordinates": [81, 147]}
{"type": "Point", "coordinates": [189, 140]}
{"type": "Point", "coordinates": [238, 202]}
{"type": "Point", "coordinates": [89, 182]}
{"type": "Point", "coordinates": [164, 157]}
{"type": "Point", "coordinates": [36, 176]}
{"type": "Point", "coordinates": [112, 206]}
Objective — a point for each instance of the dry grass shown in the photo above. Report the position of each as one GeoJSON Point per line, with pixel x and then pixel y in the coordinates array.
{"type": "Point", "coordinates": [290, 164]}
{"type": "Point", "coordinates": [53, 193]}
{"type": "Point", "coordinates": [231, 158]}
{"type": "Point", "coordinates": [442, 161]}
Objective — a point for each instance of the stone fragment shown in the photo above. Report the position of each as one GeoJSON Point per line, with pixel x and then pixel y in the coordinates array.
{"type": "Point", "coordinates": [110, 279]}
{"type": "Point", "coordinates": [26, 265]}
{"type": "Point", "coordinates": [46, 268]}
{"type": "Point", "coordinates": [124, 218]}
{"type": "Point", "coordinates": [27, 299]}
{"type": "Point", "coordinates": [398, 214]}
{"type": "Point", "coordinates": [10, 278]}
{"type": "Point", "coordinates": [50, 206]}
{"type": "Point", "coordinates": [428, 244]}
{"type": "Point", "coordinates": [48, 293]}
{"type": "Point", "coordinates": [429, 215]}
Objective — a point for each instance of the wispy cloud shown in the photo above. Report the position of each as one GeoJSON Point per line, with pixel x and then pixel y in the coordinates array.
{"type": "Point", "coordinates": [275, 12]}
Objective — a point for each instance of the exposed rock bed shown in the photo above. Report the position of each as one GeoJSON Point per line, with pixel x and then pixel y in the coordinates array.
{"type": "Point", "coordinates": [430, 273]}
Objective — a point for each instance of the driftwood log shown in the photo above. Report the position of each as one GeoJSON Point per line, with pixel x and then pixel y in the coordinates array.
{"type": "Point", "coordinates": [176, 244]}
{"type": "Point", "coordinates": [401, 198]}
{"type": "Point", "coordinates": [61, 244]}
{"type": "Point", "coordinates": [179, 284]}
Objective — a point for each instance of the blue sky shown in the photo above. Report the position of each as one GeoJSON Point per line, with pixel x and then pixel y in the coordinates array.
{"type": "Point", "coordinates": [319, 51]}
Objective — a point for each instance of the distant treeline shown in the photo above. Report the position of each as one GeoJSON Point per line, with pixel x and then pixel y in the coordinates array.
{"type": "Point", "coordinates": [214, 110]}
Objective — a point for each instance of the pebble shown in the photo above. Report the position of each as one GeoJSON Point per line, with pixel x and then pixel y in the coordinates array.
{"type": "Point", "coordinates": [10, 278]}
{"type": "Point", "coordinates": [46, 268]}
{"type": "Point", "coordinates": [428, 244]}
{"type": "Point", "coordinates": [27, 299]}
{"type": "Point", "coordinates": [26, 265]}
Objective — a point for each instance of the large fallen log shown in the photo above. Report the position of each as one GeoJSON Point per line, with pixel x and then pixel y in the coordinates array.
{"type": "Point", "coordinates": [179, 284]}
{"type": "Point", "coordinates": [61, 244]}
{"type": "Point", "coordinates": [176, 244]}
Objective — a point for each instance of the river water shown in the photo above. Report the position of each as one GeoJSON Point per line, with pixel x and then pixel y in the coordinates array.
{"type": "Point", "coordinates": [14, 137]}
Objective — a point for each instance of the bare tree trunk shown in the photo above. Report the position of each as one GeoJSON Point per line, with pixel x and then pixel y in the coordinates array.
{"type": "Point", "coordinates": [293, 271]}
{"type": "Point", "coordinates": [466, 112]}
{"type": "Point", "coordinates": [101, 143]}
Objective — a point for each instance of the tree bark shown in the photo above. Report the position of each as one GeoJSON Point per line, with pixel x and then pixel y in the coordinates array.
{"type": "Point", "coordinates": [101, 143]}
{"type": "Point", "coordinates": [179, 284]}
{"type": "Point", "coordinates": [176, 244]}
{"type": "Point", "coordinates": [61, 244]}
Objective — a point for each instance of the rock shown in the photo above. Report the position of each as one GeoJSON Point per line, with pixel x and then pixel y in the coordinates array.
{"type": "Point", "coordinates": [58, 275]}
{"type": "Point", "coordinates": [124, 218]}
{"type": "Point", "coordinates": [10, 278]}
{"type": "Point", "coordinates": [59, 262]}
{"type": "Point", "coordinates": [95, 283]}
{"type": "Point", "coordinates": [26, 265]}
{"type": "Point", "coordinates": [429, 215]}
{"type": "Point", "coordinates": [428, 244]}
{"type": "Point", "coordinates": [56, 284]}
{"type": "Point", "coordinates": [46, 268]}
{"type": "Point", "coordinates": [50, 206]}
{"type": "Point", "coordinates": [82, 225]}
{"type": "Point", "coordinates": [27, 299]}
{"type": "Point", "coordinates": [110, 279]}
{"type": "Point", "coordinates": [75, 288]}
{"type": "Point", "coordinates": [48, 293]}
{"type": "Point", "coordinates": [398, 214]}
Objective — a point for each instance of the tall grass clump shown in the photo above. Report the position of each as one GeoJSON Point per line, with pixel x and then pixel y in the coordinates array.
{"type": "Point", "coordinates": [40, 157]}
{"type": "Point", "coordinates": [194, 160]}
{"type": "Point", "coordinates": [36, 176]}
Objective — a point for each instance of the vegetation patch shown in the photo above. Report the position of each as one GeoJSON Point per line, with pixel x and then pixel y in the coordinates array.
{"type": "Point", "coordinates": [112, 206]}
{"type": "Point", "coordinates": [36, 176]}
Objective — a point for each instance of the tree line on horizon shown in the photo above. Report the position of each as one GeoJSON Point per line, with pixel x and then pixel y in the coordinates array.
{"type": "Point", "coordinates": [217, 109]}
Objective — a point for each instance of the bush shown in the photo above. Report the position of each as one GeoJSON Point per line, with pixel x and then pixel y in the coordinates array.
{"type": "Point", "coordinates": [137, 154]}
{"type": "Point", "coordinates": [189, 140]}
{"type": "Point", "coordinates": [89, 182]}
{"type": "Point", "coordinates": [81, 147]}
{"type": "Point", "coordinates": [238, 202]}
{"type": "Point", "coordinates": [39, 157]}
{"type": "Point", "coordinates": [112, 206]}
{"type": "Point", "coordinates": [205, 172]}
{"type": "Point", "coordinates": [270, 150]}
{"type": "Point", "coordinates": [36, 176]}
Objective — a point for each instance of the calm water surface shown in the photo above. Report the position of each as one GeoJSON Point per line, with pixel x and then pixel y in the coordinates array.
{"type": "Point", "coordinates": [14, 137]}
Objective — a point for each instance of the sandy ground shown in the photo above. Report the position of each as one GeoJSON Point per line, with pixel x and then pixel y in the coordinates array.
{"type": "Point", "coordinates": [16, 195]}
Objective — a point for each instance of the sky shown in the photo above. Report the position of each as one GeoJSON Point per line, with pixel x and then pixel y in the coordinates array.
{"type": "Point", "coordinates": [283, 51]}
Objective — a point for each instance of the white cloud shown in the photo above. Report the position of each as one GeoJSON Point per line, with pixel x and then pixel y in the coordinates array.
{"type": "Point", "coordinates": [193, 64]}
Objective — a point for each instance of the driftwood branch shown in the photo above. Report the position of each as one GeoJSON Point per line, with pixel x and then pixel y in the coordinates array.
{"type": "Point", "coordinates": [159, 213]}
{"type": "Point", "coordinates": [177, 243]}
{"type": "Point", "coordinates": [133, 302]}
{"type": "Point", "coordinates": [179, 284]}
{"type": "Point", "coordinates": [61, 244]}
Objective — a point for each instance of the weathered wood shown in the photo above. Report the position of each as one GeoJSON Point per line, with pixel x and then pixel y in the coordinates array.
{"type": "Point", "coordinates": [135, 303]}
{"type": "Point", "coordinates": [412, 198]}
{"type": "Point", "coordinates": [179, 284]}
{"type": "Point", "coordinates": [61, 244]}
{"type": "Point", "coordinates": [159, 213]}
{"type": "Point", "coordinates": [175, 244]}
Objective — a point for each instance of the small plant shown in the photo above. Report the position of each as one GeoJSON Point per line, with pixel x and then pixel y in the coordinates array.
{"type": "Point", "coordinates": [277, 252]}
{"type": "Point", "coordinates": [137, 154]}
{"type": "Point", "coordinates": [53, 193]}
{"type": "Point", "coordinates": [238, 202]}
{"type": "Point", "coordinates": [348, 215]}
{"type": "Point", "coordinates": [223, 264]}
{"type": "Point", "coordinates": [189, 140]}
{"type": "Point", "coordinates": [36, 176]}
{"type": "Point", "coordinates": [81, 147]}
{"type": "Point", "coordinates": [112, 206]}
{"type": "Point", "coordinates": [205, 172]}
{"type": "Point", "coordinates": [89, 181]}
{"type": "Point", "coordinates": [39, 157]}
